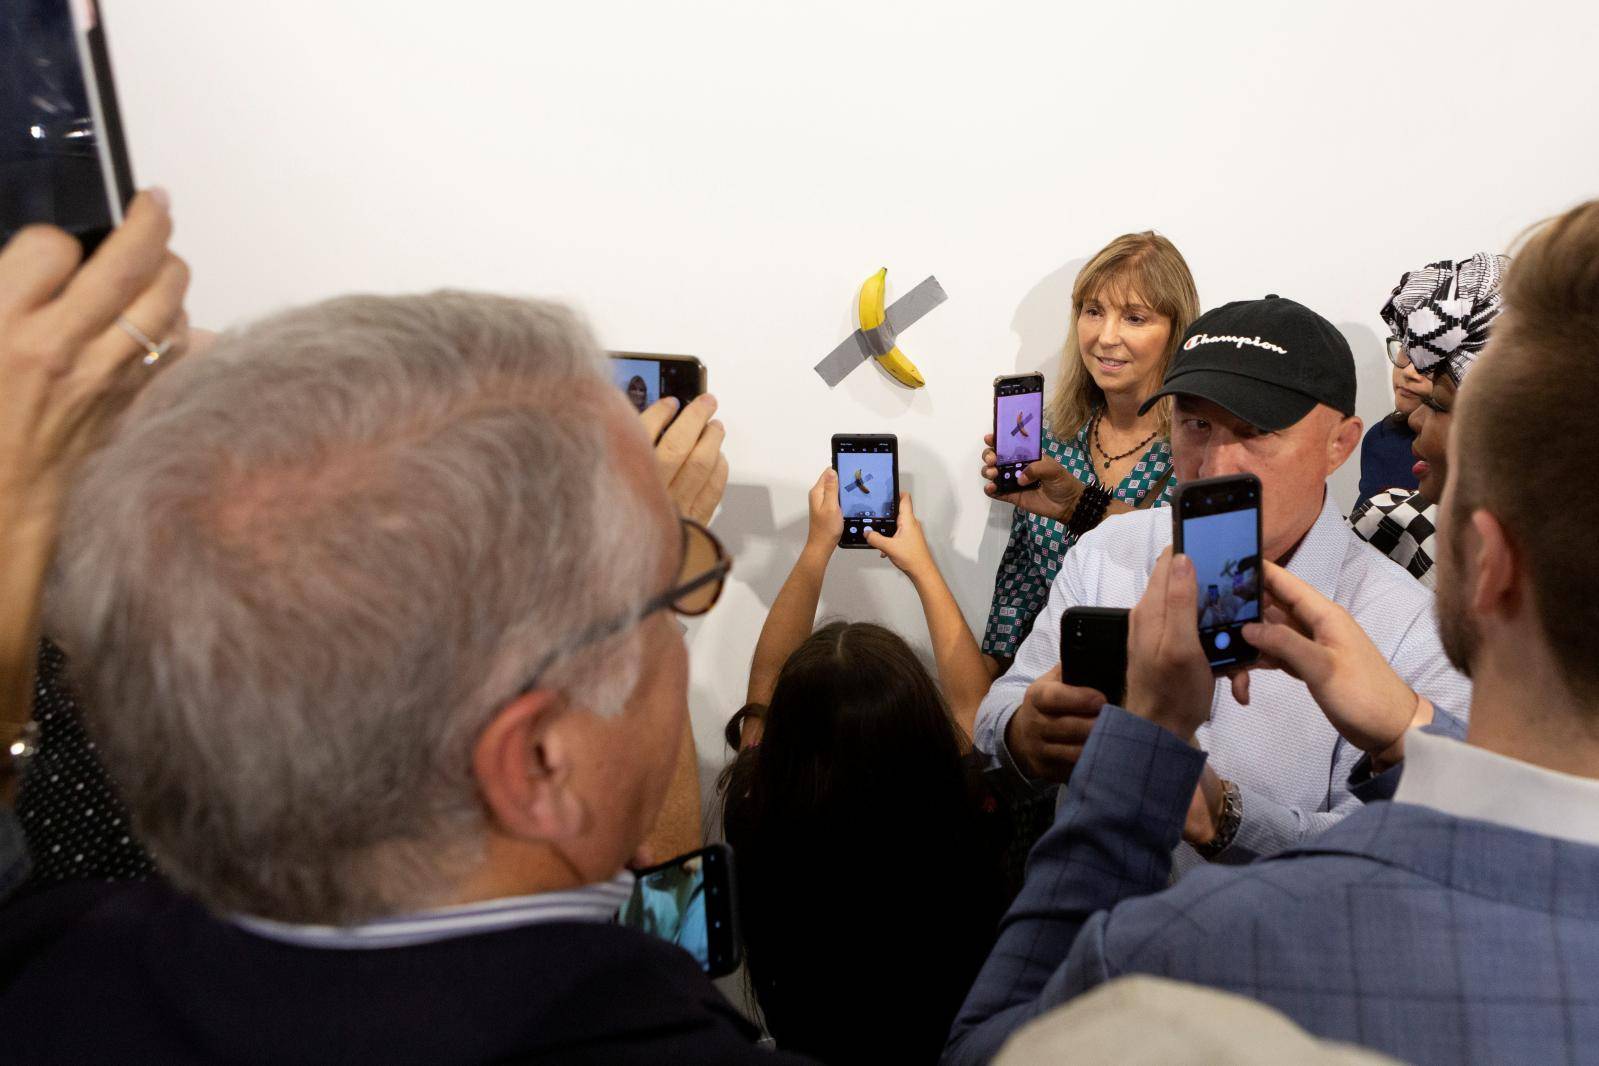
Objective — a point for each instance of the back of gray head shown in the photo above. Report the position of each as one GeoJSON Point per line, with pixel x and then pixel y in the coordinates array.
{"type": "Point", "coordinates": [313, 564]}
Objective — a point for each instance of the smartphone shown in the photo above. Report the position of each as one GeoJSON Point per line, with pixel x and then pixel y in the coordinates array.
{"type": "Point", "coordinates": [1093, 650]}
{"type": "Point", "coordinates": [693, 902]}
{"type": "Point", "coordinates": [645, 378]}
{"type": "Point", "coordinates": [63, 160]}
{"type": "Point", "coordinates": [1216, 523]}
{"type": "Point", "coordinates": [868, 485]}
{"type": "Point", "coordinates": [1018, 427]}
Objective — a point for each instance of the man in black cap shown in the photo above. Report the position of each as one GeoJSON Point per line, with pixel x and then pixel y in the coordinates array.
{"type": "Point", "coordinates": [1265, 387]}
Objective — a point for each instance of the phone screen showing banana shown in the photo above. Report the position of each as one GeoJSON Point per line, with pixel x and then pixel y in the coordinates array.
{"type": "Point", "coordinates": [1018, 427]}
{"type": "Point", "coordinates": [868, 485]}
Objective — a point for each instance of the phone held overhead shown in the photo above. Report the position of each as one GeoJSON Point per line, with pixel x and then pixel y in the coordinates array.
{"type": "Point", "coordinates": [867, 465]}
{"type": "Point", "coordinates": [63, 160]}
{"type": "Point", "coordinates": [1018, 427]}
{"type": "Point", "coordinates": [1216, 523]}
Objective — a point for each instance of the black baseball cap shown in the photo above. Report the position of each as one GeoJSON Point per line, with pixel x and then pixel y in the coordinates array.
{"type": "Point", "coordinates": [1269, 362]}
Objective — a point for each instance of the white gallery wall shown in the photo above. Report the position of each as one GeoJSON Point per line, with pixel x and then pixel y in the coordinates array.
{"type": "Point", "coordinates": [718, 179]}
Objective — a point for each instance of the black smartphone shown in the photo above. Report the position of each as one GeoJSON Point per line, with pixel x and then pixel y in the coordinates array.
{"type": "Point", "coordinates": [1216, 523]}
{"type": "Point", "coordinates": [645, 378]}
{"type": "Point", "coordinates": [693, 902]}
{"type": "Point", "coordinates": [1018, 427]}
{"type": "Point", "coordinates": [1093, 650]}
{"type": "Point", "coordinates": [868, 485]}
{"type": "Point", "coordinates": [63, 160]}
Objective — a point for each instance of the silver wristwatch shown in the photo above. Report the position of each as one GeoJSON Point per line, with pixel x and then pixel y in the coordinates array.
{"type": "Point", "coordinates": [1232, 813]}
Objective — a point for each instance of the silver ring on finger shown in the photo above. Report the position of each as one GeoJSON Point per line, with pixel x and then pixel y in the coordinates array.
{"type": "Point", "coordinates": [152, 351]}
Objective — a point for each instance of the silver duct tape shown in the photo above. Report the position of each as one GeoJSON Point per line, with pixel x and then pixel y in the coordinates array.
{"type": "Point", "coordinates": [866, 344]}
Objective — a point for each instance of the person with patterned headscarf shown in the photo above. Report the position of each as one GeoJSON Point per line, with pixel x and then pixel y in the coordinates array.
{"type": "Point", "coordinates": [1438, 319]}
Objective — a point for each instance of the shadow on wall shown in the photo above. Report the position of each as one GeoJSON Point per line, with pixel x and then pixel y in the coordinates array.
{"type": "Point", "coordinates": [1041, 320]}
{"type": "Point", "coordinates": [747, 526]}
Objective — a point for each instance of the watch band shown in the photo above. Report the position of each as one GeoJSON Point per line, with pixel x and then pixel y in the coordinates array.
{"type": "Point", "coordinates": [1232, 814]}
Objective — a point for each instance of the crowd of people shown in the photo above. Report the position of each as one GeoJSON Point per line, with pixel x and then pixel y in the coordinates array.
{"type": "Point", "coordinates": [335, 717]}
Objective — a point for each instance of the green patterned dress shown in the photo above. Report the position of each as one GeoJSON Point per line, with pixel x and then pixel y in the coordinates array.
{"type": "Point", "coordinates": [1038, 545]}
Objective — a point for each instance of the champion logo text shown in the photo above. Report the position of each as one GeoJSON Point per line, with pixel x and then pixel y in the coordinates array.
{"type": "Point", "coordinates": [1237, 342]}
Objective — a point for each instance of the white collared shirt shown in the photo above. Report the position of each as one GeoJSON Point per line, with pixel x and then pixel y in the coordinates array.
{"type": "Point", "coordinates": [1455, 778]}
{"type": "Point", "coordinates": [591, 903]}
{"type": "Point", "coordinates": [1290, 765]}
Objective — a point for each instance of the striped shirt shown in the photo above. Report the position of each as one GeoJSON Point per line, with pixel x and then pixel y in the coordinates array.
{"type": "Point", "coordinates": [591, 903]}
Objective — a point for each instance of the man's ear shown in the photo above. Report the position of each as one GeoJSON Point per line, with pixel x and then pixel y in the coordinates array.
{"type": "Point", "coordinates": [523, 762]}
{"type": "Point", "coordinates": [1343, 442]}
{"type": "Point", "coordinates": [1497, 590]}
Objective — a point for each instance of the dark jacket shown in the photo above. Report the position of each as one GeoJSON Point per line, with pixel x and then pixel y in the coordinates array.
{"type": "Point", "coordinates": [135, 973]}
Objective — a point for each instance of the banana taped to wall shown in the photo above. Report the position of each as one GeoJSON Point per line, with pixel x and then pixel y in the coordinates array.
{"type": "Point", "coordinates": [878, 337]}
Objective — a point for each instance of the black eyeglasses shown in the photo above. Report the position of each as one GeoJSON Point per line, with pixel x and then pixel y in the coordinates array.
{"type": "Point", "coordinates": [1397, 353]}
{"type": "Point", "coordinates": [701, 575]}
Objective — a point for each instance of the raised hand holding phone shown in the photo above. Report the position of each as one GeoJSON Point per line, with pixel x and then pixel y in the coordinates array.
{"type": "Point", "coordinates": [688, 453]}
{"type": "Point", "coordinates": [826, 519]}
{"type": "Point", "coordinates": [1318, 642]}
{"type": "Point", "coordinates": [1044, 488]}
{"type": "Point", "coordinates": [1046, 735]}
{"type": "Point", "coordinates": [1169, 679]}
{"type": "Point", "coordinates": [907, 549]}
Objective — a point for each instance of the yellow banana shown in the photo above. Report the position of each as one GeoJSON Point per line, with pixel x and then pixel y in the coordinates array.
{"type": "Point", "coordinates": [871, 316]}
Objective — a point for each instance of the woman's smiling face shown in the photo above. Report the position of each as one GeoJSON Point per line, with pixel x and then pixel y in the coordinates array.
{"type": "Point", "coordinates": [1123, 342]}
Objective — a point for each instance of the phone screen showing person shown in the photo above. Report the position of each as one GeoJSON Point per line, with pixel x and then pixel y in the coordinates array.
{"type": "Point", "coordinates": [644, 379]}
{"type": "Point", "coordinates": [868, 485]}
{"type": "Point", "coordinates": [691, 902]}
{"type": "Point", "coordinates": [62, 157]}
{"type": "Point", "coordinates": [1018, 427]}
{"type": "Point", "coordinates": [1218, 527]}
{"type": "Point", "coordinates": [1093, 650]}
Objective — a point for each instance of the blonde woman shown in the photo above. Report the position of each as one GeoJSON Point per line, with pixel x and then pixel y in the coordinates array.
{"type": "Point", "coordinates": [1130, 306]}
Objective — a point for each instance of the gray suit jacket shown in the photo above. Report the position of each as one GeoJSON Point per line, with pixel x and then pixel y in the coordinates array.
{"type": "Point", "coordinates": [1431, 938]}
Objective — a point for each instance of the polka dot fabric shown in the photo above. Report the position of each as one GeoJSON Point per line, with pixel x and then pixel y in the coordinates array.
{"type": "Point", "coordinates": [1038, 546]}
{"type": "Point", "coordinates": [76, 825]}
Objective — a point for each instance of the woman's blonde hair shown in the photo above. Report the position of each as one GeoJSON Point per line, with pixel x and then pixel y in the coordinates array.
{"type": "Point", "coordinates": [1151, 266]}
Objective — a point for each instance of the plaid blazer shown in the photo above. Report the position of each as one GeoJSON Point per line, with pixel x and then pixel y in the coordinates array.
{"type": "Point", "coordinates": [1428, 937]}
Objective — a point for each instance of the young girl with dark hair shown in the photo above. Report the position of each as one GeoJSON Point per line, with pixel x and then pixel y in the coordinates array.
{"type": "Point", "coordinates": [870, 856]}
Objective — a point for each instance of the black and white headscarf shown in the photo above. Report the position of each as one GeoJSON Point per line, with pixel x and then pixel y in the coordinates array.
{"type": "Point", "coordinates": [1442, 311]}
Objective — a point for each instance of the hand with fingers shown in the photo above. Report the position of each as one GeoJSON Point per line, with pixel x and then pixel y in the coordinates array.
{"type": "Point", "coordinates": [907, 549]}
{"type": "Point", "coordinates": [1048, 489]}
{"type": "Point", "coordinates": [77, 344]}
{"type": "Point", "coordinates": [1045, 736]}
{"type": "Point", "coordinates": [1315, 640]}
{"type": "Point", "coordinates": [1169, 680]}
{"type": "Point", "coordinates": [688, 453]}
{"type": "Point", "coordinates": [826, 518]}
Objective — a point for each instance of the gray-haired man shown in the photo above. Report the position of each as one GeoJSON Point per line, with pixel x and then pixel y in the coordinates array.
{"type": "Point", "coordinates": [375, 605]}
